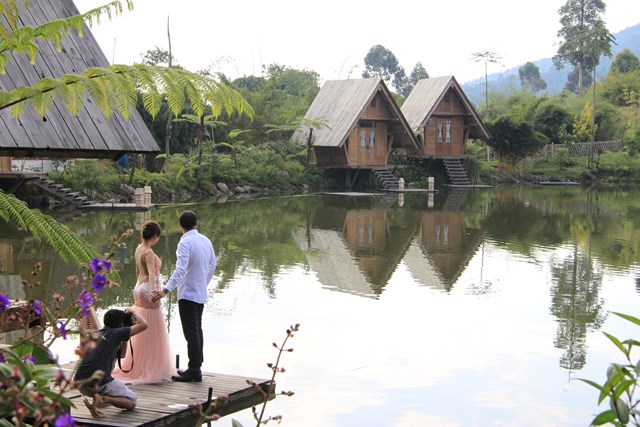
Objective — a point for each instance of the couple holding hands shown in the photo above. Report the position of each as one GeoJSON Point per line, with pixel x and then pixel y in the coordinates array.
{"type": "Point", "coordinates": [195, 264]}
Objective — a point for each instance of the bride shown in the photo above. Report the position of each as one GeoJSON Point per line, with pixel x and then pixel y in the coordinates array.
{"type": "Point", "coordinates": [151, 356]}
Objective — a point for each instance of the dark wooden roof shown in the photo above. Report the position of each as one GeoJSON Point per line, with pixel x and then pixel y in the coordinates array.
{"type": "Point", "coordinates": [427, 95]}
{"type": "Point", "coordinates": [341, 103]}
{"type": "Point", "coordinates": [61, 134]}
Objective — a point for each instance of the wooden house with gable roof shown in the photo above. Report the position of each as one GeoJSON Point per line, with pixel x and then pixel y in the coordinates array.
{"type": "Point", "coordinates": [443, 119]}
{"type": "Point", "coordinates": [60, 134]}
{"type": "Point", "coordinates": [363, 126]}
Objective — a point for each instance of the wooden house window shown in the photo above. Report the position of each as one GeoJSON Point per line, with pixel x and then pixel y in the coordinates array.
{"type": "Point", "coordinates": [363, 139]}
{"type": "Point", "coordinates": [448, 132]}
{"type": "Point", "coordinates": [372, 140]}
{"type": "Point", "coordinates": [439, 131]}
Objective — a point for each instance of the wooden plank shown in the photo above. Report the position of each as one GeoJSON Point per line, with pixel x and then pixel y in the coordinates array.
{"type": "Point", "coordinates": [171, 403]}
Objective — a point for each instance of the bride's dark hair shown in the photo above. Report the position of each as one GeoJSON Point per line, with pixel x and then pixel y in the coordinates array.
{"type": "Point", "coordinates": [150, 229]}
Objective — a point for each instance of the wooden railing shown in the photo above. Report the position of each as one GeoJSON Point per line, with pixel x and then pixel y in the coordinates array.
{"type": "Point", "coordinates": [580, 148]}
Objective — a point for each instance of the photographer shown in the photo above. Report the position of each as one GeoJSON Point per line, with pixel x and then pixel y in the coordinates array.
{"type": "Point", "coordinates": [94, 373]}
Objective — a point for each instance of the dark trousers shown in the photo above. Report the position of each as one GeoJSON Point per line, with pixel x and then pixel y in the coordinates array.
{"type": "Point", "coordinates": [191, 319]}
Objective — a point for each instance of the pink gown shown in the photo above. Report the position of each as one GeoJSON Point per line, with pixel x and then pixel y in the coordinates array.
{"type": "Point", "coordinates": [152, 355]}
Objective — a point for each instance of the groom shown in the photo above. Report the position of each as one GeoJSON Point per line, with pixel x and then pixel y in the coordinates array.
{"type": "Point", "coordinates": [195, 264]}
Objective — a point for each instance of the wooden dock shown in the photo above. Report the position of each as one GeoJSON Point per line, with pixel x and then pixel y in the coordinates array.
{"type": "Point", "coordinates": [171, 403]}
{"type": "Point", "coordinates": [118, 207]}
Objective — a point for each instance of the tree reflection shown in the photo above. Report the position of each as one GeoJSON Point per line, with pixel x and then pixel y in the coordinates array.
{"type": "Point", "coordinates": [576, 304]}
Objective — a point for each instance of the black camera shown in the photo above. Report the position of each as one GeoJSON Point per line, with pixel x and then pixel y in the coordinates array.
{"type": "Point", "coordinates": [129, 319]}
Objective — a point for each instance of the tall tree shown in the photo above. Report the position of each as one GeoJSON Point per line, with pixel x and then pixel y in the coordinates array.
{"type": "Point", "coordinates": [381, 63]}
{"type": "Point", "coordinates": [530, 78]}
{"type": "Point", "coordinates": [584, 38]}
{"type": "Point", "coordinates": [488, 57]}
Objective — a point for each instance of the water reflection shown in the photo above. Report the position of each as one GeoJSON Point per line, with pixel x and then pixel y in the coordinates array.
{"type": "Point", "coordinates": [357, 245]}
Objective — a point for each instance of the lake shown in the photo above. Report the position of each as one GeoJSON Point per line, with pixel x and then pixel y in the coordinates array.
{"type": "Point", "coordinates": [467, 307]}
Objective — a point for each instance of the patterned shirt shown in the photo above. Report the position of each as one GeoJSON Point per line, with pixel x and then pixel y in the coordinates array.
{"type": "Point", "coordinates": [103, 356]}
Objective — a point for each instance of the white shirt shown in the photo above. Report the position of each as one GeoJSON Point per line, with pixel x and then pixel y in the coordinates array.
{"type": "Point", "coordinates": [195, 264]}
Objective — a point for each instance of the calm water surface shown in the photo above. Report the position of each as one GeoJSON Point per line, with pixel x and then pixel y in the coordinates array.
{"type": "Point", "coordinates": [464, 308]}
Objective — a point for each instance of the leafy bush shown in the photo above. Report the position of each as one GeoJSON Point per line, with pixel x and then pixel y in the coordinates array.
{"type": "Point", "coordinates": [90, 175]}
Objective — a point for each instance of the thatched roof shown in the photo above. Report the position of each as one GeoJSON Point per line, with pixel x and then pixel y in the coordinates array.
{"type": "Point", "coordinates": [340, 103]}
{"type": "Point", "coordinates": [427, 95]}
{"type": "Point", "coordinates": [60, 133]}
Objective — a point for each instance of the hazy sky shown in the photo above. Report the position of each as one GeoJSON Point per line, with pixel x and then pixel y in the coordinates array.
{"type": "Point", "coordinates": [333, 37]}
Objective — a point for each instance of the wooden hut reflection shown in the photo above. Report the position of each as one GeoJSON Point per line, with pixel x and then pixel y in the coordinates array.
{"type": "Point", "coordinates": [357, 248]}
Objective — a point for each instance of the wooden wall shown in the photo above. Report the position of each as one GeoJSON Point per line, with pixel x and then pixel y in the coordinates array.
{"type": "Point", "coordinates": [367, 142]}
{"type": "Point", "coordinates": [448, 111]}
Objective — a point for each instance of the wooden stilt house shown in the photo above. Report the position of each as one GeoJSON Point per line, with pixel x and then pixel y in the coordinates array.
{"type": "Point", "coordinates": [443, 119]}
{"type": "Point", "coordinates": [60, 134]}
{"type": "Point", "coordinates": [362, 125]}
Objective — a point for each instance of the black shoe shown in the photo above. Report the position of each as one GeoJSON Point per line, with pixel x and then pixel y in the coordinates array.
{"type": "Point", "coordinates": [189, 371]}
{"type": "Point", "coordinates": [188, 377]}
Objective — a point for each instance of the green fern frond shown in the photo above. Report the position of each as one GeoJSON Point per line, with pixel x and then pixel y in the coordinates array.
{"type": "Point", "coordinates": [24, 39]}
{"type": "Point", "coordinates": [114, 89]}
{"type": "Point", "coordinates": [46, 229]}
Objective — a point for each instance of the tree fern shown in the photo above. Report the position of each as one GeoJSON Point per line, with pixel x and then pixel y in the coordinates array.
{"type": "Point", "coordinates": [46, 229]}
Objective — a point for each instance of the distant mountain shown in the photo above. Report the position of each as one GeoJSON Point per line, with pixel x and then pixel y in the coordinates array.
{"type": "Point", "coordinates": [556, 79]}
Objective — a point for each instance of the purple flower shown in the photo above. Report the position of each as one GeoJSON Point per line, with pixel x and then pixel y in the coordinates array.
{"type": "Point", "coordinates": [85, 300]}
{"type": "Point", "coordinates": [37, 307]}
{"type": "Point", "coordinates": [95, 265]}
{"type": "Point", "coordinates": [63, 330]}
{"type": "Point", "coordinates": [65, 420]}
{"type": "Point", "coordinates": [29, 358]}
{"type": "Point", "coordinates": [4, 302]}
{"type": "Point", "coordinates": [106, 264]}
{"type": "Point", "coordinates": [3, 358]}
{"type": "Point", "coordinates": [98, 282]}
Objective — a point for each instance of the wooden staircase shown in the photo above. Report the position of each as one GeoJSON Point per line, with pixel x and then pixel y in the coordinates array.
{"type": "Point", "coordinates": [388, 181]}
{"type": "Point", "coordinates": [456, 171]}
{"type": "Point", "coordinates": [64, 194]}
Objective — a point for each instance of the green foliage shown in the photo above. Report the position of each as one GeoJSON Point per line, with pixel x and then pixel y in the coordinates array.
{"type": "Point", "coordinates": [632, 143]}
{"type": "Point", "coordinates": [24, 40]}
{"type": "Point", "coordinates": [625, 62]}
{"type": "Point", "coordinates": [620, 386]}
{"type": "Point", "coordinates": [614, 86]}
{"type": "Point", "coordinates": [562, 158]}
{"type": "Point", "coordinates": [278, 99]}
{"type": "Point", "coordinates": [44, 228]}
{"type": "Point", "coordinates": [381, 63]}
{"type": "Point", "coordinates": [530, 78]}
{"type": "Point", "coordinates": [553, 121]}
{"type": "Point", "coordinates": [513, 140]}
{"type": "Point", "coordinates": [584, 38]}
{"type": "Point", "coordinates": [115, 89]}
{"type": "Point", "coordinates": [89, 176]}
{"type": "Point", "coordinates": [582, 126]}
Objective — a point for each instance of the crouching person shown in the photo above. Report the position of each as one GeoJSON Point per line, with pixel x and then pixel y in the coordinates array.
{"type": "Point", "coordinates": [94, 373]}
